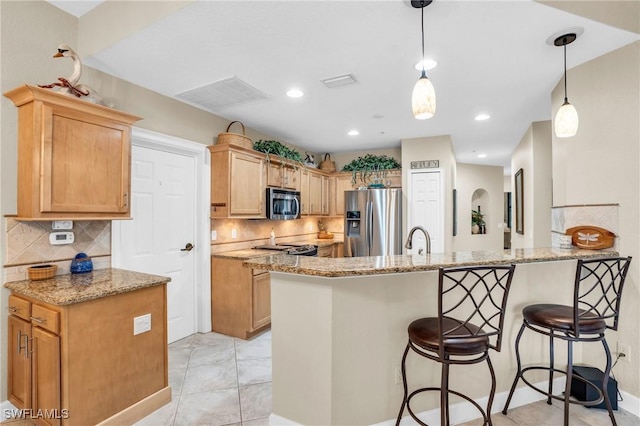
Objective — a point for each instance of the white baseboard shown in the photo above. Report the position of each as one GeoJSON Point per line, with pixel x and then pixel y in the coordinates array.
{"type": "Point", "coordinates": [275, 420]}
{"type": "Point", "coordinates": [630, 403]}
{"type": "Point", "coordinates": [8, 410]}
{"type": "Point", "coordinates": [464, 411]}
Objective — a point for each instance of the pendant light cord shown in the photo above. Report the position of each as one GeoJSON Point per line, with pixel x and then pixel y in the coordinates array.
{"type": "Point", "coordinates": [564, 44]}
{"type": "Point", "coordinates": [422, 26]}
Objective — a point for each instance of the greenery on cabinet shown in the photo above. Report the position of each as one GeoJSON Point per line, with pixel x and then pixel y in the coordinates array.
{"type": "Point", "coordinates": [371, 169]}
{"type": "Point", "coordinates": [371, 162]}
{"type": "Point", "coordinates": [277, 148]}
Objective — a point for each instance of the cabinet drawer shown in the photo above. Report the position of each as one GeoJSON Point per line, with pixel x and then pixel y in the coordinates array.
{"type": "Point", "coordinates": [259, 271]}
{"type": "Point", "coordinates": [45, 318]}
{"type": "Point", "coordinates": [19, 307]}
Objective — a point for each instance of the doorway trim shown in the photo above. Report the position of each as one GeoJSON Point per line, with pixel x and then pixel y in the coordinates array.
{"type": "Point", "coordinates": [202, 274]}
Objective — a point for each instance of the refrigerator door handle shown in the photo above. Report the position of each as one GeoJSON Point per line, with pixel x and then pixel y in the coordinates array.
{"type": "Point", "coordinates": [369, 219]}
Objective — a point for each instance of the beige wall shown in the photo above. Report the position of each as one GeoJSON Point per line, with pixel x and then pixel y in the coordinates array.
{"type": "Point", "coordinates": [533, 156]}
{"type": "Point", "coordinates": [30, 33]}
{"type": "Point", "coordinates": [472, 177]}
{"type": "Point", "coordinates": [600, 165]}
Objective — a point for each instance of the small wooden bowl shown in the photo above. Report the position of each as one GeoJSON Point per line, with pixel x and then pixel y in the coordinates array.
{"type": "Point", "coordinates": [324, 236]}
{"type": "Point", "coordinates": [42, 272]}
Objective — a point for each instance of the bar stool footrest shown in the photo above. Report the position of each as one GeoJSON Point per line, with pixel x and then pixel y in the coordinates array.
{"type": "Point", "coordinates": [433, 389]}
{"type": "Point", "coordinates": [559, 398]}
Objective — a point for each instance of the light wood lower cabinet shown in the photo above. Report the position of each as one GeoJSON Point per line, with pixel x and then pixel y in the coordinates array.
{"type": "Point", "coordinates": [80, 364]}
{"type": "Point", "coordinates": [240, 298]}
{"type": "Point", "coordinates": [326, 251]}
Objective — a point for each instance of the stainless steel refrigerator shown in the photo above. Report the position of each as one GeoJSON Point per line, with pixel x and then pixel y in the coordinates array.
{"type": "Point", "coordinates": [373, 222]}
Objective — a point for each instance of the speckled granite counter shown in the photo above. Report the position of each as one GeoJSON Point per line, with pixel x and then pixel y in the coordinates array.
{"type": "Point", "coordinates": [374, 265]}
{"type": "Point", "coordinates": [260, 253]}
{"type": "Point", "coordinates": [75, 288]}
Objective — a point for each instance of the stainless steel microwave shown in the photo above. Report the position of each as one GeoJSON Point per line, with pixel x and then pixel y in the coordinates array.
{"type": "Point", "coordinates": [283, 204]}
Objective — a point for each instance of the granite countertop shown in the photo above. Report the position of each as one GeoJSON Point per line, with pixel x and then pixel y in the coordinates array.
{"type": "Point", "coordinates": [375, 265]}
{"type": "Point", "coordinates": [75, 288]}
{"type": "Point", "coordinates": [246, 254]}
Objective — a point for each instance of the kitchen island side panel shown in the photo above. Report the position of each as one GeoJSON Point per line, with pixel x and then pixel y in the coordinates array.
{"type": "Point", "coordinates": [338, 341]}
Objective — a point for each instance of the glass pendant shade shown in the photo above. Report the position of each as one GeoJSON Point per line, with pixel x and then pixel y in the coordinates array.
{"type": "Point", "coordinates": [566, 122]}
{"type": "Point", "coordinates": [423, 100]}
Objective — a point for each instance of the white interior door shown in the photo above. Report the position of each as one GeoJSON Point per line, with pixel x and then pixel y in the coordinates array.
{"type": "Point", "coordinates": [426, 209]}
{"type": "Point", "coordinates": [163, 207]}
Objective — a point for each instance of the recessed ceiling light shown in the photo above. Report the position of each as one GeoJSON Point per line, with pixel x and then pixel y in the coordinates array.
{"type": "Point", "coordinates": [429, 64]}
{"type": "Point", "coordinates": [482, 155]}
{"type": "Point", "coordinates": [482, 117]}
{"type": "Point", "coordinates": [353, 133]}
{"type": "Point", "coordinates": [295, 93]}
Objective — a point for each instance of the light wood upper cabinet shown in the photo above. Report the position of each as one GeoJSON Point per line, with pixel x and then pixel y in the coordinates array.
{"type": "Point", "coordinates": [281, 175]}
{"type": "Point", "coordinates": [74, 157]}
{"type": "Point", "coordinates": [324, 185]}
{"type": "Point", "coordinates": [315, 193]}
{"type": "Point", "coordinates": [304, 191]}
{"type": "Point", "coordinates": [343, 183]}
{"type": "Point", "coordinates": [237, 183]}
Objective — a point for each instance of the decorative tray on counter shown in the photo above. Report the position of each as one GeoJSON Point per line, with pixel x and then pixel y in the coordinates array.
{"type": "Point", "coordinates": [591, 237]}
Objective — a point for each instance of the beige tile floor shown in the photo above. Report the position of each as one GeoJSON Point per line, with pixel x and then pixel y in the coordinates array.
{"type": "Point", "coordinates": [220, 380]}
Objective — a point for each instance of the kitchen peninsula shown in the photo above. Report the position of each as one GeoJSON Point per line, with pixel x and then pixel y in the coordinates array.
{"type": "Point", "coordinates": [339, 328]}
{"type": "Point", "coordinates": [89, 348]}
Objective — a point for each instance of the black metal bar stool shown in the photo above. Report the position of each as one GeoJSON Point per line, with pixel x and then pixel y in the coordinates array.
{"type": "Point", "coordinates": [596, 307]}
{"type": "Point", "coordinates": [471, 307]}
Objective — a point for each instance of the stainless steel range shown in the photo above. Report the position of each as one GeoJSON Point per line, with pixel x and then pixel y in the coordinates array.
{"type": "Point", "coordinates": [292, 249]}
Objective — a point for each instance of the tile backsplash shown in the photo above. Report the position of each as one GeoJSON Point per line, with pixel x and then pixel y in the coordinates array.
{"type": "Point", "coordinates": [565, 217]}
{"type": "Point", "coordinates": [27, 243]}
{"type": "Point", "coordinates": [250, 232]}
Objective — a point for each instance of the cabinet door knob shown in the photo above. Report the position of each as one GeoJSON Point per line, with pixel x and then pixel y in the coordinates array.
{"type": "Point", "coordinates": [188, 247]}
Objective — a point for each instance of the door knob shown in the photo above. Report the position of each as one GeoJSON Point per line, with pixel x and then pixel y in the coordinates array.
{"type": "Point", "coordinates": [188, 247]}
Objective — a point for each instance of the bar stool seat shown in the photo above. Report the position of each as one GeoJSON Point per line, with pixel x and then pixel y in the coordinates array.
{"type": "Point", "coordinates": [560, 317]}
{"type": "Point", "coordinates": [597, 292]}
{"type": "Point", "coordinates": [462, 339]}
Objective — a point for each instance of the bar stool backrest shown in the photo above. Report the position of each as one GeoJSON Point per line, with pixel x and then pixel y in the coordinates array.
{"type": "Point", "coordinates": [598, 290]}
{"type": "Point", "coordinates": [474, 295]}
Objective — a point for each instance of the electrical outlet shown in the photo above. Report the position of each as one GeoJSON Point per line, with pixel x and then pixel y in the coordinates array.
{"type": "Point", "coordinates": [214, 235]}
{"type": "Point", "coordinates": [62, 224]}
{"type": "Point", "coordinates": [141, 324]}
{"type": "Point", "coordinates": [234, 234]}
{"type": "Point", "coordinates": [397, 375]}
{"type": "Point", "coordinates": [624, 352]}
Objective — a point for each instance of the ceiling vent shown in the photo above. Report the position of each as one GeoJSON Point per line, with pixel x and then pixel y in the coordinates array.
{"type": "Point", "coordinates": [341, 80]}
{"type": "Point", "coordinates": [222, 93]}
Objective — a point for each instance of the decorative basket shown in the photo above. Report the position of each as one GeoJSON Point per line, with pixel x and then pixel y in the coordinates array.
{"type": "Point", "coordinates": [327, 165]}
{"type": "Point", "coordinates": [236, 139]}
{"type": "Point", "coordinates": [42, 272]}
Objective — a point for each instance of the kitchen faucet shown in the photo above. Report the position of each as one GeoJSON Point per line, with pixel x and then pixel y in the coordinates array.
{"type": "Point", "coordinates": [409, 243]}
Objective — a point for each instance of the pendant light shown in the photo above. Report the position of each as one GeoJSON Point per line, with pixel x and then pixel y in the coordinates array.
{"type": "Point", "coordinates": [566, 121]}
{"type": "Point", "coordinates": [423, 100]}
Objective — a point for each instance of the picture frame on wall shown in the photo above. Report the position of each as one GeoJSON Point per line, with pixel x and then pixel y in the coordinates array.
{"type": "Point", "coordinates": [519, 210]}
{"type": "Point", "coordinates": [455, 212]}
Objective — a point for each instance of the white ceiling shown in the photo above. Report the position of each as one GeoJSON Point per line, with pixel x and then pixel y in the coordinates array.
{"type": "Point", "coordinates": [493, 58]}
